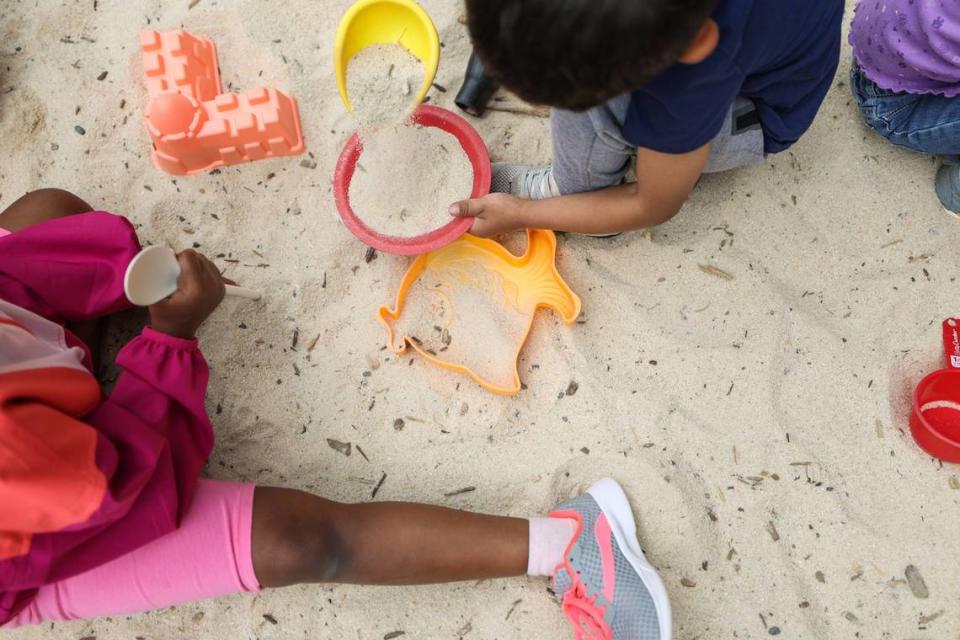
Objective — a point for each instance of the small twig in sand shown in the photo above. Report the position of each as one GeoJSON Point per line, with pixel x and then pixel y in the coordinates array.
{"type": "Point", "coordinates": [713, 271]}
{"type": "Point", "coordinates": [536, 112]}
{"type": "Point", "coordinates": [772, 530]}
{"type": "Point", "coordinates": [376, 489]}
{"type": "Point", "coordinates": [340, 447]}
{"type": "Point", "coordinates": [459, 492]}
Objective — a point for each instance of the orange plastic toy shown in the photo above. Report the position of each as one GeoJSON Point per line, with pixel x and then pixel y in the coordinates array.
{"type": "Point", "coordinates": [469, 306]}
{"type": "Point", "coordinates": [194, 126]}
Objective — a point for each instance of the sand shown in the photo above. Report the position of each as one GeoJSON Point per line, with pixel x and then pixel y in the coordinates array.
{"type": "Point", "coordinates": [383, 81]}
{"type": "Point", "coordinates": [407, 178]}
{"type": "Point", "coordinates": [463, 315]}
{"type": "Point", "coordinates": [730, 410]}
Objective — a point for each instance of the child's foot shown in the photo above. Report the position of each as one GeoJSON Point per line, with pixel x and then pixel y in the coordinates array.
{"type": "Point", "coordinates": [530, 181]}
{"type": "Point", "coordinates": [524, 180]}
{"type": "Point", "coordinates": [947, 185]}
{"type": "Point", "coordinates": [608, 589]}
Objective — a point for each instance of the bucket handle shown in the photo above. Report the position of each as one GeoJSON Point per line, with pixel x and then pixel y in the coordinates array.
{"type": "Point", "coordinates": [951, 342]}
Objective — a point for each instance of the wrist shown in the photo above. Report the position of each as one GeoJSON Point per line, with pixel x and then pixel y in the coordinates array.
{"type": "Point", "coordinates": [173, 330]}
{"type": "Point", "coordinates": [184, 344]}
{"type": "Point", "coordinates": [522, 214]}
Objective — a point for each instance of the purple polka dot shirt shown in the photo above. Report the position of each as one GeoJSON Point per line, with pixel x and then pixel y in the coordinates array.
{"type": "Point", "coordinates": [909, 45]}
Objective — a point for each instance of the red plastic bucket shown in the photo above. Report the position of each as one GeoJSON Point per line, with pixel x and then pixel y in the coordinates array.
{"type": "Point", "coordinates": [427, 116]}
{"type": "Point", "coordinates": [935, 420]}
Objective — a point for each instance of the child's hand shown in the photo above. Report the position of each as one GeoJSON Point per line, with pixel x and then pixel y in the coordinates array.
{"type": "Point", "coordinates": [493, 214]}
{"type": "Point", "coordinates": [200, 290]}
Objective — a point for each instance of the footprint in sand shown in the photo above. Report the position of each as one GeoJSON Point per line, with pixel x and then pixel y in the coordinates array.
{"type": "Point", "coordinates": [23, 119]}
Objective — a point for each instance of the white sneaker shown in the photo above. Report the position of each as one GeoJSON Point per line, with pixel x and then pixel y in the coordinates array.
{"type": "Point", "coordinates": [525, 180]}
{"type": "Point", "coordinates": [530, 181]}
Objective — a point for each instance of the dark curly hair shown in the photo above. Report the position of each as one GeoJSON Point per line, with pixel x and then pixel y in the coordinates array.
{"type": "Point", "coordinates": [577, 54]}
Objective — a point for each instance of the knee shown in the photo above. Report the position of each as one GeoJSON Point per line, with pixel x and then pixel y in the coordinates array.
{"type": "Point", "coordinates": [297, 547]}
{"type": "Point", "coordinates": [39, 206]}
{"type": "Point", "coordinates": [57, 203]}
{"type": "Point", "coordinates": [309, 552]}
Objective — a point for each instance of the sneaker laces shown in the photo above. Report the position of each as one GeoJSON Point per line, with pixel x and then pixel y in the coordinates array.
{"type": "Point", "coordinates": [537, 183]}
{"type": "Point", "coordinates": [583, 612]}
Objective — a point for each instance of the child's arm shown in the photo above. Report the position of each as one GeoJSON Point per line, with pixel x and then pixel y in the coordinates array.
{"type": "Point", "coordinates": [165, 376]}
{"type": "Point", "coordinates": [76, 278]}
{"type": "Point", "coordinates": [72, 460]}
{"type": "Point", "coordinates": [664, 182]}
{"type": "Point", "coordinates": [50, 479]}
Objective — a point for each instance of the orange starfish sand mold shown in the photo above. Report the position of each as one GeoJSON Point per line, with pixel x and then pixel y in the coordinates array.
{"type": "Point", "coordinates": [458, 304]}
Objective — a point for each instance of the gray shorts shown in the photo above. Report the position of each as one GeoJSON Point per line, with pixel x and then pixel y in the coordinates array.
{"type": "Point", "coordinates": [590, 152]}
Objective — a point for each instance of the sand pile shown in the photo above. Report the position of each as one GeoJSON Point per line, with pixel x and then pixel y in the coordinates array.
{"type": "Point", "coordinates": [407, 178]}
{"type": "Point", "coordinates": [466, 315]}
{"type": "Point", "coordinates": [383, 81]}
{"type": "Point", "coordinates": [408, 175]}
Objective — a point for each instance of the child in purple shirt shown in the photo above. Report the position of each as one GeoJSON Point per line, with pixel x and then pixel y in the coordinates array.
{"type": "Point", "coordinates": [906, 79]}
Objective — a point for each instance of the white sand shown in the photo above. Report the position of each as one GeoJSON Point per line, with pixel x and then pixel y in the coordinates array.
{"type": "Point", "coordinates": [407, 178]}
{"type": "Point", "coordinates": [383, 82]}
{"type": "Point", "coordinates": [462, 315]}
{"type": "Point", "coordinates": [800, 367]}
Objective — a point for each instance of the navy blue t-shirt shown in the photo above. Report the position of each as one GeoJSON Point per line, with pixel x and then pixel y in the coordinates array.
{"type": "Point", "coordinates": [782, 54]}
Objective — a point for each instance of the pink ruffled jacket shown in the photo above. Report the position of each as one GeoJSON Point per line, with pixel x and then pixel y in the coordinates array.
{"type": "Point", "coordinates": [86, 478]}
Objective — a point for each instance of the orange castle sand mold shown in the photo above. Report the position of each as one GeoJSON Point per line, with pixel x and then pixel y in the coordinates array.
{"type": "Point", "coordinates": [193, 125]}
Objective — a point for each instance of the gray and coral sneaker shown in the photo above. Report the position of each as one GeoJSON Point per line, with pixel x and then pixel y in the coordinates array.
{"type": "Point", "coordinates": [947, 186]}
{"type": "Point", "coordinates": [607, 588]}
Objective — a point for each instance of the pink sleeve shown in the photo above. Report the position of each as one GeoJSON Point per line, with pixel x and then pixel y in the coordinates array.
{"type": "Point", "coordinates": [151, 439]}
{"type": "Point", "coordinates": [163, 385]}
{"type": "Point", "coordinates": [69, 269]}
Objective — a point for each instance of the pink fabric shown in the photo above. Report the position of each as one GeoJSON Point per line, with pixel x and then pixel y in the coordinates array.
{"type": "Point", "coordinates": [3, 232]}
{"type": "Point", "coordinates": [604, 536]}
{"type": "Point", "coordinates": [154, 435]}
{"type": "Point", "coordinates": [69, 269]}
{"type": "Point", "coordinates": [209, 556]}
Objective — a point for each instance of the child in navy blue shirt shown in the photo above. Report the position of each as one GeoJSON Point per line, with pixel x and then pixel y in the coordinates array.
{"type": "Point", "coordinates": [683, 86]}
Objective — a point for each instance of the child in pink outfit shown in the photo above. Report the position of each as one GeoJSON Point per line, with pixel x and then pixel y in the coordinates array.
{"type": "Point", "coordinates": [102, 507]}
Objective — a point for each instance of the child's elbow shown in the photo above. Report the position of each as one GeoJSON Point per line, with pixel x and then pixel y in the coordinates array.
{"type": "Point", "coordinates": [650, 213]}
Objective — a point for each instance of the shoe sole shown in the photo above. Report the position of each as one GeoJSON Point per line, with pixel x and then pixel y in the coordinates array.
{"type": "Point", "coordinates": [614, 504]}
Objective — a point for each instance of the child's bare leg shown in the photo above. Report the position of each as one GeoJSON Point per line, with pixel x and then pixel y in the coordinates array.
{"type": "Point", "coordinates": [299, 537]}
{"type": "Point", "coordinates": [39, 206]}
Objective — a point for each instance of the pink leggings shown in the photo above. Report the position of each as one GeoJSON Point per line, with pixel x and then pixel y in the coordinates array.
{"type": "Point", "coordinates": [209, 556]}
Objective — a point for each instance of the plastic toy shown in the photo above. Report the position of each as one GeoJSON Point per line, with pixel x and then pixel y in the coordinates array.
{"type": "Point", "coordinates": [477, 89]}
{"type": "Point", "coordinates": [935, 420]}
{"type": "Point", "coordinates": [194, 126]}
{"type": "Point", "coordinates": [402, 22]}
{"type": "Point", "coordinates": [428, 116]}
{"type": "Point", "coordinates": [152, 276]}
{"type": "Point", "coordinates": [520, 284]}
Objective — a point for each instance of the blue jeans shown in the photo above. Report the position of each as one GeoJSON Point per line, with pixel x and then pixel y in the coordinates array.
{"type": "Point", "coordinates": [921, 122]}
